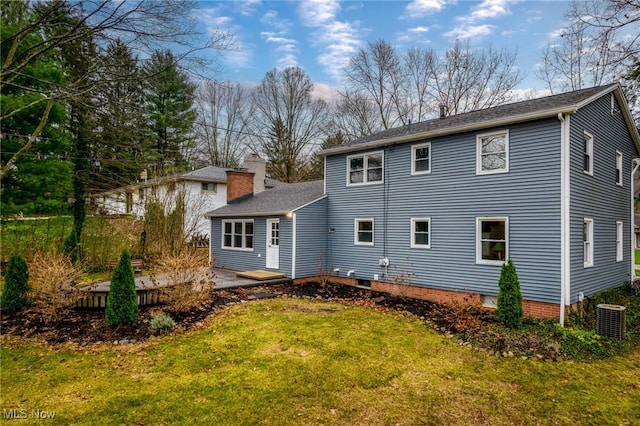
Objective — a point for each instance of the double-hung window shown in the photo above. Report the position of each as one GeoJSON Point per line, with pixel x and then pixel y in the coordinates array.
{"type": "Point", "coordinates": [421, 159]}
{"type": "Point", "coordinates": [619, 239]}
{"type": "Point", "coordinates": [237, 234]}
{"type": "Point", "coordinates": [587, 239]}
{"type": "Point", "coordinates": [588, 153]}
{"type": "Point", "coordinates": [421, 232]}
{"type": "Point", "coordinates": [363, 232]}
{"type": "Point", "coordinates": [365, 168]}
{"type": "Point", "coordinates": [618, 168]}
{"type": "Point", "coordinates": [492, 240]}
{"type": "Point", "coordinates": [492, 152]}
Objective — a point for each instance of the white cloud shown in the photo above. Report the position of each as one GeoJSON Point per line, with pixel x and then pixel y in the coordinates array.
{"type": "Point", "coordinates": [212, 19]}
{"type": "Point", "coordinates": [470, 26]}
{"type": "Point", "coordinates": [492, 9]}
{"type": "Point", "coordinates": [418, 30]}
{"type": "Point", "coordinates": [317, 12]}
{"type": "Point", "coordinates": [470, 31]}
{"type": "Point", "coordinates": [271, 19]}
{"type": "Point", "coordinates": [338, 40]}
{"type": "Point", "coordinates": [248, 7]}
{"type": "Point", "coordinates": [285, 48]}
{"type": "Point", "coordinates": [421, 8]}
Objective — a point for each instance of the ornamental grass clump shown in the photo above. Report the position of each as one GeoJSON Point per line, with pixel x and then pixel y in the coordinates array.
{"type": "Point", "coordinates": [14, 295]}
{"type": "Point", "coordinates": [509, 310]}
{"type": "Point", "coordinates": [122, 303]}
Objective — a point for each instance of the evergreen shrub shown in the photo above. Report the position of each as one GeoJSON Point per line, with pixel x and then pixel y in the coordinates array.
{"type": "Point", "coordinates": [122, 303]}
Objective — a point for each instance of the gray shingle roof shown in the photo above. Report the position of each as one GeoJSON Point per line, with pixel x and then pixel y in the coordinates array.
{"type": "Point", "coordinates": [548, 106]}
{"type": "Point", "coordinates": [280, 200]}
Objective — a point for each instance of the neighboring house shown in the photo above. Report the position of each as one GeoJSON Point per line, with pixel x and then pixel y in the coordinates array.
{"type": "Point", "coordinates": [433, 209]}
{"type": "Point", "coordinates": [204, 189]}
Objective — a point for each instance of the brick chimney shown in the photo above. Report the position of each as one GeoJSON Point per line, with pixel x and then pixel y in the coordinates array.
{"type": "Point", "coordinates": [256, 165]}
{"type": "Point", "coordinates": [239, 185]}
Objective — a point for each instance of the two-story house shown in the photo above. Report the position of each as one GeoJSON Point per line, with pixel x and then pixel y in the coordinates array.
{"type": "Point", "coordinates": [433, 209]}
{"type": "Point", "coordinates": [203, 190]}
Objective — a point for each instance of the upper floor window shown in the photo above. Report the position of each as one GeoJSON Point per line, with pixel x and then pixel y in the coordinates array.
{"type": "Point", "coordinates": [208, 187]}
{"type": "Point", "coordinates": [588, 153]}
{"type": "Point", "coordinates": [363, 234]}
{"type": "Point", "coordinates": [619, 168]}
{"type": "Point", "coordinates": [365, 168]}
{"type": "Point", "coordinates": [421, 233]}
{"type": "Point", "coordinates": [492, 153]}
{"type": "Point", "coordinates": [492, 240]}
{"type": "Point", "coordinates": [421, 159]}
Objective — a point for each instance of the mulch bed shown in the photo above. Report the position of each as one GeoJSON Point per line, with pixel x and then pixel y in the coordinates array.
{"type": "Point", "coordinates": [469, 324]}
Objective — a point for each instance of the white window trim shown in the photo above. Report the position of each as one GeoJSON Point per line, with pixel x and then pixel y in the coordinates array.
{"type": "Point", "coordinates": [413, 159]}
{"type": "Point", "coordinates": [479, 138]}
{"type": "Point", "coordinates": [413, 232]}
{"type": "Point", "coordinates": [587, 251]}
{"type": "Point", "coordinates": [365, 162]}
{"type": "Point", "coordinates": [244, 235]}
{"type": "Point", "coordinates": [619, 241]}
{"type": "Point", "coordinates": [589, 138]}
{"type": "Point", "coordinates": [479, 259]}
{"type": "Point", "coordinates": [619, 166]}
{"type": "Point", "coordinates": [355, 231]}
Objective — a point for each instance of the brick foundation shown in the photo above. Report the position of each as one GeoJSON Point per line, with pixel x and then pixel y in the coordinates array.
{"type": "Point", "coordinates": [530, 307]}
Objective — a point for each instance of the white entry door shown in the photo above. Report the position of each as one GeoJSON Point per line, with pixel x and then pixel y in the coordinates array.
{"type": "Point", "coordinates": [273, 243]}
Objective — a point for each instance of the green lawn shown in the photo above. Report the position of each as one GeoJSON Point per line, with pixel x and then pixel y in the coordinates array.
{"type": "Point", "coordinates": [293, 361]}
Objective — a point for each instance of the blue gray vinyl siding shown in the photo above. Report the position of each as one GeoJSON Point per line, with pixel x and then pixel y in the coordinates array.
{"type": "Point", "coordinates": [311, 241]}
{"type": "Point", "coordinates": [241, 260]}
{"type": "Point", "coordinates": [598, 197]}
{"type": "Point", "coordinates": [452, 196]}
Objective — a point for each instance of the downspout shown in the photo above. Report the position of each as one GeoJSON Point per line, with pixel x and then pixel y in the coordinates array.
{"type": "Point", "coordinates": [636, 165]}
{"type": "Point", "coordinates": [565, 213]}
{"type": "Point", "coordinates": [293, 247]}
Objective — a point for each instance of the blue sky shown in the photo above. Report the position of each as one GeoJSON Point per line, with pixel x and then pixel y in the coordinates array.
{"type": "Point", "coordinates": [321, 35]}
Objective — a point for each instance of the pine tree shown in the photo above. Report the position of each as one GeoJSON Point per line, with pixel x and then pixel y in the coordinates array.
{"type": "Point", "coordinates": [169, 101]}
{"type": "Point", "coordinates": [122, 303]}
{"type": "Point", "coordinates": [15, 287]}
{"type": "Point", "coordinates": [509, 296]}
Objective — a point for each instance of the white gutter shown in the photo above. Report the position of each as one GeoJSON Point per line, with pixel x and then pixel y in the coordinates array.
{"type": "Point", "coordinates": [565, 213]}
{"type": "Point", "coordinates": [636, 165]}
{"type": "Point", "coordinates": [293, 247]}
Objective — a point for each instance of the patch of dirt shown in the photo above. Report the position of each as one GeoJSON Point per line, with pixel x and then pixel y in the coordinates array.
{"type": "Point", "coordinates": [470, 325]}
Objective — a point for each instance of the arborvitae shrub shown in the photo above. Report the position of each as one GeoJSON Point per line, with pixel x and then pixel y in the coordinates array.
{"type": "Point", "coordinates": [15, 286]}
{"type": "Point", "coordinates": [509, 296]}
{"type": "Point", "coordinates": [122, 303]}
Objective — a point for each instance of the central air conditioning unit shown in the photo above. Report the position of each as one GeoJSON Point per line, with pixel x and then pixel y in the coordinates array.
{"type": "Point", "coordinates": [610, 320]}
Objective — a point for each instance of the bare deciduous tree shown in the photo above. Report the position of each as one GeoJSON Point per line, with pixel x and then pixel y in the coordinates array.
{"type": "Point", "coordinates": [598, 46]}
{"type": "Point", "coordinates": [288, 120]}
{"type": "Point", "coordinates": [385, 89]}
{"type": "Point", "coordinates": [224, 110]}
